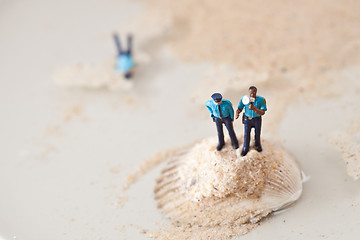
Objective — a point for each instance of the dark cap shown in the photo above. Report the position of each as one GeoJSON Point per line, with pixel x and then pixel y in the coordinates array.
{"type": "Point", "coordinates": [217, 97]}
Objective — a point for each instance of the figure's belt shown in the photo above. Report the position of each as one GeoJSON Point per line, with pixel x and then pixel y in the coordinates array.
{"type": "Point", "coordinates": [224, 117]}
{"type": "Point", "coordinates": [251, 117]}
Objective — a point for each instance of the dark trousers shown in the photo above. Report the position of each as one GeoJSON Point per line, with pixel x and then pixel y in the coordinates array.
{"type": "Point", "coordinates": [229, 125]}
{"type": "Point", "coordinates": [248, 125]}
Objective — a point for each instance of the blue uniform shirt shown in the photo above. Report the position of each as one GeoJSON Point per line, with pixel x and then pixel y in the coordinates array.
{"type": "Point", "coordinates": [226, 108]}
{"type": "Point", "coordinates": [124, 63]}
{"type": "Point", "coordinates": [259, 103]}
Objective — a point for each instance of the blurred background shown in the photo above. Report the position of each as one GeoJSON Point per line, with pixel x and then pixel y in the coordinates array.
{"type": "Point", "coordinates": [72, 128]}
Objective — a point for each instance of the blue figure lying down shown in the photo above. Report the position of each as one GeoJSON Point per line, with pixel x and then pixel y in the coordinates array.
{"type": "Point", "coordinates": [124, 62]}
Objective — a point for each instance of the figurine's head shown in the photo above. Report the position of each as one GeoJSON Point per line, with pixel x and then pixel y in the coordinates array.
{"type": "Point", "coordinates": [252, 91]}
{"type": "Point", "coordinates": [217, 98]}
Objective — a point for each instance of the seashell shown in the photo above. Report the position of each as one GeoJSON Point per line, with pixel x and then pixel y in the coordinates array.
{"type": "Point", "coordinates": [205, 187]}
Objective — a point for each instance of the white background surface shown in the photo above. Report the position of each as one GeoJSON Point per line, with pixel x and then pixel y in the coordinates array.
{"type": "Point", "coordinates": [70, 192]}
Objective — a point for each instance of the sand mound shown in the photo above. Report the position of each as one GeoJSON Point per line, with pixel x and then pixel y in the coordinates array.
{"type": "Point", "coordinates": [208, 188]}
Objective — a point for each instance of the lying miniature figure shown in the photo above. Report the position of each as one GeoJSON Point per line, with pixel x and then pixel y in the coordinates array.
{"type": "Point", "coordinates": [124, 63]}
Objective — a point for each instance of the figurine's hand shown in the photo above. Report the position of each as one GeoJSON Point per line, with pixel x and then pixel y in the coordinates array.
{"type": "Point", "coordinates": [237, 114]}
{"type": "Point", "coordinates": [252, 107]}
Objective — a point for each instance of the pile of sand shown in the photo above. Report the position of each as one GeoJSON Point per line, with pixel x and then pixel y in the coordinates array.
{"type": "Point", "coordinates": [204, 189]}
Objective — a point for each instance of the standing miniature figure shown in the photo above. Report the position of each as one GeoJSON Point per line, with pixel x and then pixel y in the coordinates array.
{"type": "Point", "coordinates": [222, 112]}
{"type": "Point", "coordinates": [124, 63]}
{"type": "Point", "coordinates": [255, 107]}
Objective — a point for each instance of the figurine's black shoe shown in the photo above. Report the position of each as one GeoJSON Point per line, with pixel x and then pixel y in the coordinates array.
{"type": "Point", "coordinates": [258, 148]}
{"type": "Point", "coordinates": [219, 147]}
{"type": "Point", "coordinates": [235, 146]}
{"type": "Point", "coordinates": [244, 152]}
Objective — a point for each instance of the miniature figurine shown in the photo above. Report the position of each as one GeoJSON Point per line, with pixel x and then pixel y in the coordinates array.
{"type": "Point", "coordinates": [222, 112]}
{"type": "Point", "coordinates": [255, 107]}
{"type": "Point", "coordinates": [124, 63]}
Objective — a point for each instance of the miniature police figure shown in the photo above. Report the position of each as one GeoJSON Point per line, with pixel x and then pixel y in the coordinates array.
{"type": "Point", "coordinates": [124, 62]}
{"type": "Point", "coordinates": [222, 112]}
{"type": "Point", "coordinates": [255, 107]}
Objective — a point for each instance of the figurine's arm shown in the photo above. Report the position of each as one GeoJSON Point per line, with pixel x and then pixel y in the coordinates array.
{"type": "Point", "coordinates": [255, 109]}
{"type": "Point", "coordinates": [262, 109]}
{"type": "Point", "coordinates": [238, 111]}
{"type": "Point", "coordinates": [231, 112]}
{"type": "Point", "coordinates": [207, 104]}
